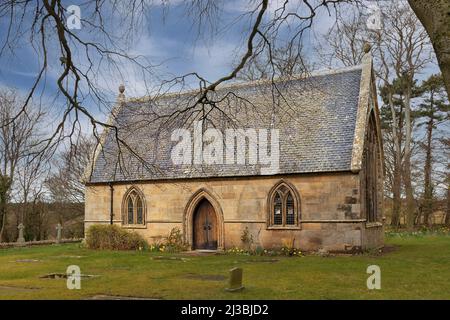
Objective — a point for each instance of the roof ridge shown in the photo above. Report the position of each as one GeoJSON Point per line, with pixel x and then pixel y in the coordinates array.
{"type": "Point", "coordinates": [312, 74]}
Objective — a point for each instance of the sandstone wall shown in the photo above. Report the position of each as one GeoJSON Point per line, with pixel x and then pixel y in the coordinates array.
{"type": "Point", "coordinates": [330, 210]}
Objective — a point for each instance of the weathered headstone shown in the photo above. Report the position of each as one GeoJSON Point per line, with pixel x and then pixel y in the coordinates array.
{"type": "Point", "coordinates": [235, 280]}
{"type": "Point", "coordinates": [58, 232]}
{"type": "Point", "coordinates": [21, 239]}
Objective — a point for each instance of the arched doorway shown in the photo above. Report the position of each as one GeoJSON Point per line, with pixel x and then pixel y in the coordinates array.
{"type": "Point", "coordinates": [205, 227]}
{"type": "Point", "coordinates": [189, 217]}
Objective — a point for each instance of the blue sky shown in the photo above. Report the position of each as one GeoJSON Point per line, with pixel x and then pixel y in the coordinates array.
{"type": "Point", "coordinates": [167, 39]}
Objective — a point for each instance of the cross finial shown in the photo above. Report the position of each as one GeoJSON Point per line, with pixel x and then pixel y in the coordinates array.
{"type": "Point", "coordinates": [367, 47]}
{"type": "Point", "coordinates": [20, 238]}
{"type": "Point", "coordinates": [121, 95]}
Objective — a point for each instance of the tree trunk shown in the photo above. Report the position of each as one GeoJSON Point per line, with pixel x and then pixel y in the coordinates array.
{"type": "Point", "coordinates": [410, 205]}
{"type": "Point", "coordinates": [428, 188]}
{"type": "Point", "coordinates": [5, 184]}
{"type": "Point", "coordinates": [3, 224]}
{"type": "Point", "coordinates": [2, 217]}
{"type": "Point", "coordinates": [396, 194]}
{"type": "Point", "coordinates": [447, 216]}
{"type": "Point", "coordinates": [396, 186]}
{"type": "Point", "coordinates": [435, 17]}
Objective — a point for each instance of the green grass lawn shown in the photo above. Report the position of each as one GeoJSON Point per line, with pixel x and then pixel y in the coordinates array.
{"type": "Point", "coordinates": [418, 268]}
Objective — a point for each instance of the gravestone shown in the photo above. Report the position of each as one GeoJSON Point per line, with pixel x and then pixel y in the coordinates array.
{"type": "Point", "coordinates": [58, 232]}
{"type": "Point", "coordinates": [323, 253]}
{"type": "Point", "coordinates": [235, 280]}
{"type": "Point", "coordinates": [21, 239]}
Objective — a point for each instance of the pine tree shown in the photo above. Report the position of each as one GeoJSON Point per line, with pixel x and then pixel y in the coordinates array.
{"type": "Point", "coordinates": [431, 111]}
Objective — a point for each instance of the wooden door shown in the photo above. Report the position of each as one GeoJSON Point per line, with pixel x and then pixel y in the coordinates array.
{"type": "Point", "coordinates": [205, 226]}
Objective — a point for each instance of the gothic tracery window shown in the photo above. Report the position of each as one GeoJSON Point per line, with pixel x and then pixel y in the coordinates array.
{"type": "Point", "coordinates": [283, 206]}
{"type": "Point", "coordinates": [134, 208]}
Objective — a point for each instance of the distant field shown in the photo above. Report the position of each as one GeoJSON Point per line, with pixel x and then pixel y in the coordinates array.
{"type": "Point", "coordinates": [415, 268]}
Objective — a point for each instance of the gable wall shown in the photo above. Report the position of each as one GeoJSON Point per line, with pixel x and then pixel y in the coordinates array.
{"type": "Point", "coordinates": [330, 213]}
{"type": "Point", "coordinates": [373, 233]}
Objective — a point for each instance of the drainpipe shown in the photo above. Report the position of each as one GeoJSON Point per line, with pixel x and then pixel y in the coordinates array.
{"type": "Point", "coordinates": [111, 211]}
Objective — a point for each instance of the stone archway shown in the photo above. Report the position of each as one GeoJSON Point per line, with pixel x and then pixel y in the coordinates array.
{"type": "Point", "coordinates": [189, 213]}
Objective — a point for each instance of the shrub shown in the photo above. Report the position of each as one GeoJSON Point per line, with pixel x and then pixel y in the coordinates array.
{"type": "Point", "coordinates": [112, 237]}
{"type": "Point", "coordinates": [247, 238]}
{"type": "Point", "coordinates": [174, 242]}
{"type": "Point", "coordinates": [289, 249]}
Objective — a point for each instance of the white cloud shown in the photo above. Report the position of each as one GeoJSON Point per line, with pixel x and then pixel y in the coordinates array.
{"type": "Point", "coordinates": [214, 61]}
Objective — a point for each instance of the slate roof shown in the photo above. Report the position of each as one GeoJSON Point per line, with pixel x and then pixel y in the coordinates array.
{"type": "Point", "coordinates": [315, 117]}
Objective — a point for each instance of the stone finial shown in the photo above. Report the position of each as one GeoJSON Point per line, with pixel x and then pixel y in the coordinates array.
{"type": "Point", "coordinates": [121, 95]}
{"type": "Point", "coordinates": [367, 47]}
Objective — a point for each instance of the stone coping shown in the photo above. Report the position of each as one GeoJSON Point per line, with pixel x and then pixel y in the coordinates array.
{"type": "Point", "coordinates": [4, 245]}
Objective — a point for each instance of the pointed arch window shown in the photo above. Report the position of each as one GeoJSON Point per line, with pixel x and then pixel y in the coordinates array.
{"type": "Point", "coordinates": [134, 209]}
{"type": "Point", "coordinates": [371, 158]}
{"type": "Point", "coordinates": [284, 207]}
